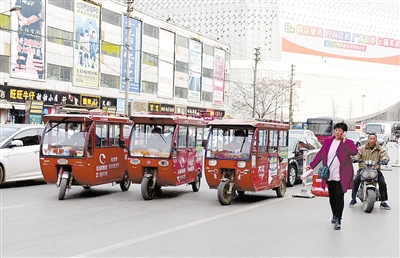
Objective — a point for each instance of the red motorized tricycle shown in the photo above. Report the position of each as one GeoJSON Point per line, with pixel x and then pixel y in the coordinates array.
{"type": "Point", "coordinates": [165, 150]}
{"type": "Point", "coordinates": [85, 149]}
{"type": "Point", "coordinates": [246, 155]}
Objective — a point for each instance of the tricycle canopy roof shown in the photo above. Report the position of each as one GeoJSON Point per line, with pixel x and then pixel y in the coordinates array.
{"type": "Point", "coordinates": [81, 117]}
{"type": "Point", "coordinates": [166, 119]}
{"type": "Point", "coordinates": [249, 122]}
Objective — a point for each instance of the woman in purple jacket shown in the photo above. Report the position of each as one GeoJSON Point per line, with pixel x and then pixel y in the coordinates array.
{"type": "Point", "coordinates": [341, 171]}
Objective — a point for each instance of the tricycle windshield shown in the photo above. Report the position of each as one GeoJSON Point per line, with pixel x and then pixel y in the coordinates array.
{"type": "Point", "coordinates": [64, 139]}
{"type": "Point", "coordinates": [149, 140]}
{"type": "Point", "coordinates": [229, 143]}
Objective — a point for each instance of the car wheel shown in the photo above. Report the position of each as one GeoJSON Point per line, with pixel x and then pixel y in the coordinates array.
{"type": "Point", "coordinates": [2, 175]}
{"type": "Point", "coordinates": [292, 176]}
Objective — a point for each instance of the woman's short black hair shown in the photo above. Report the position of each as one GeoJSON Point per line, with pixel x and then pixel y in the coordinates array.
{"type": "Point", "coordinates": [341, 125]}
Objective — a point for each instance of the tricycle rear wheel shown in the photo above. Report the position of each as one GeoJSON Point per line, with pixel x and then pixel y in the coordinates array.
{"type": "Point", "coordinates": [125, 183]}
{"type": "Point", "coordinates": [281, 189]}
{"type": "Point", "coordinates": [63, 188]}
{"type": "Point", "coordinates": [224, 197]}
{"type": "Point", "coordinates": [146, 188]}
{"type": "Point", "coordinates": [196, 184]}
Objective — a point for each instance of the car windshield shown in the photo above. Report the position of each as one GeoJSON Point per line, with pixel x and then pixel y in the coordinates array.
{"type": "Point", "coordinates": [292, 144]}
{"type": "Point", "coordinates": [6, 131]}
{"type": "Point", "coordinates": [296, 132]}
{"type": "Point", "coordinates": [149, 140]}
{"type": "Point", "coordinates": [230, 143]}
{"type": "Point", "coordinates": [63, 139]}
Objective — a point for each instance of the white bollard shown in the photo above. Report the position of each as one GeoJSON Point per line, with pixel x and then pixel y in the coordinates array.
{"type": "Point", "coordinates": [397, 162]}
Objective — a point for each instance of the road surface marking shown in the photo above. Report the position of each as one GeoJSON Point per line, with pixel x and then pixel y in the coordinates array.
{"type": "Point", "coordinates": [132, 241]}
{"type": "Point", "coordinates": [11, 207]}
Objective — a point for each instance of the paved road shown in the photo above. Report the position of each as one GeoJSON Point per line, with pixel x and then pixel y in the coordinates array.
{"type": "Point", "coordinates": [109, 223]}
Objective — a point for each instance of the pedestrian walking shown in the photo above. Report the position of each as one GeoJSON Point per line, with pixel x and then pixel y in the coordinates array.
{"type": "Point", "coordinates": [337, 151]}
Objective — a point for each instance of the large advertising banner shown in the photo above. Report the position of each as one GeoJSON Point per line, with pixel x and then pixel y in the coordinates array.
{"type": "Point", "coordinates": [219, 76]}
{"type": "Point", "coordinates": [195, 65]}
{"type": "Point", "coordinates": [28, 39]}
{"type": "Point", "coordinates": [339, 43]}
{"type": "Point", "coordinates": [166, 63]}
{"type": "Point", "coordinates": [87, 44]}
{"type": "Point", "coordinates": [135, 62]}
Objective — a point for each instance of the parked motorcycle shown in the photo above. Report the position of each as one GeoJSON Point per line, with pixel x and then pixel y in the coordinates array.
{"type": "Point", "coordinates": [368, 193]}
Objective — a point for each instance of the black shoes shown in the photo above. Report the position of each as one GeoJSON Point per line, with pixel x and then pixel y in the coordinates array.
{"type": "Point", "coordinates": [333, 219]}
{"type": "Point", "coordinates": [337, 223]}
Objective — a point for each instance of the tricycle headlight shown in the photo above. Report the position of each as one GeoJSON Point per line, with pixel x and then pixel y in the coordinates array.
{"type": "Point", "coordinates": [135, 161]}
{"type": "Point", "coordinates": [212, 162]}
{"type": "Point", "coordinates": [241, 164]}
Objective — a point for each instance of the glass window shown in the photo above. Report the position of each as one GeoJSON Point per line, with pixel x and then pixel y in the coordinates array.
{"type": "Point", "coordinates": [59, 73]}
{"type": "Point", "coordinates": [114, 134]}
{"type": "Point", "coordinates": [182, 41]}
{"type": "Point", "coordinates": [110, 49]}
{"type": "Point", "coordinates": [181, 67]}
{"type": "Point", "coordinates": [4, 64]}
{"type": "Point", "coordinates": [66, 4]}
{"type": "Point", "coordinates": [58, 36]}
{"type": "Point", "coordinates": [109, 81]}
{"type": "Point", "coordinates": [181, 92]}
{"type": "Point", "coordinates": [150, 30]}
{"type": "Point", "coordinates": [283, 138]}
{"type": "Point", "coordinates": [208, 72]}
{"type": "Point", "coordinates": [101, 135]}
{"type": "Point", "coordinates": [182, 137]}
{"type": "Point", "coordinates": [206, 96]}
{"type": "Point", "coordinates": [262, 141]}
{"type": "Point", "coordinates": [208, 50]}
{"type": "Point", "coordinates": [149, 87]}
{"type": "Point", "coordinates": [111, 17]}
{"type": "Point", "coordinates": [273, 144]}
{"type": "Point", "coordinates": [5, 22]}
{"type": "Point", "coordinates": [192, 137]}
{"type": "Point", "coordinates": [28, 137]}
{"type": "Point", "coordinates": [150, 59]}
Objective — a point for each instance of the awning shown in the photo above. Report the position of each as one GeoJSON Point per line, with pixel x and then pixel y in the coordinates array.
{"type": "Point", "coordinates": [5, 105]}
{"type": "Point", "coordinates": [19, 106]}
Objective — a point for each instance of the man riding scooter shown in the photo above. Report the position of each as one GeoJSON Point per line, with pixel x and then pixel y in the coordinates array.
{"type": "Point", "coordinates": [374, 152]}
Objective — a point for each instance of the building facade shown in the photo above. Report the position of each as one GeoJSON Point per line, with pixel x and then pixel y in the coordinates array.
{"type": "Point", "coordinates": [345, 53]}
{"type": "Point", "coordinates": [74, 52]}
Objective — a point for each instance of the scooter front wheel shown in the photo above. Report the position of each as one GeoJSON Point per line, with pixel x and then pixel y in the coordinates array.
{"type": "Point", "coordinates": [369, 203]}
{"type": "Point", "coordinates": [63, 188]}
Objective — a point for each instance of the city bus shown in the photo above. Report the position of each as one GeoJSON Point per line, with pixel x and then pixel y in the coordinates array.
{"type": "Point", "coordinates": [322, 126]}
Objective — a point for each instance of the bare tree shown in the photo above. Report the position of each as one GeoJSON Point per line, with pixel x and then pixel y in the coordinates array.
{"type": "Point", "coordinates": [271, 96]}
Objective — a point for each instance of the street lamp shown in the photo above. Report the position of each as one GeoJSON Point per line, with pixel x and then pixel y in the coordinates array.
{"type": "Point", "coordinates": [14, 8]}
{"type": "Point", "coordinates": [362, 110]}
{"type": "Point", "coordinates": [127, 52]}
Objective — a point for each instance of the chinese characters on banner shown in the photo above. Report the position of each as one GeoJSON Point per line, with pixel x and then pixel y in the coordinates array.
{"type": "Point", "coordinates": [27, 39]}
{"type": "Point", "coordinates": [195, 64]}
{"type": "Point", "coordinates": [135, 41]}
{"type": "Point", "coordinates": [219, 76]}
{"type": "Point", "coordinates": [86, 47]}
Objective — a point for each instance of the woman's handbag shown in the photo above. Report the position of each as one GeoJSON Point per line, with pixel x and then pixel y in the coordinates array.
{"type": "Point", "coordinates": [323, 172]}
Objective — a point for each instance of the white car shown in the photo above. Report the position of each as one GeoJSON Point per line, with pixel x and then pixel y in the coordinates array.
{"type": "Point", "coordinates": [303, 132]}
{"type": "Point", "coordinates": [19, 152]}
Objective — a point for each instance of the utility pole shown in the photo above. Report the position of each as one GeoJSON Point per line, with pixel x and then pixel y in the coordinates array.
{"type": "Point", "coordinates": [291, 99]}
{"type": "Point", "coordinates": [256, 59]}
{"type": "Point", "coordinates": [127, 52]}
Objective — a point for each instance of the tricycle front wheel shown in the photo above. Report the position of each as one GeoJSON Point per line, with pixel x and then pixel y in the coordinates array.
{"type": "Point", "coordinates": [147, 188]}
{"type": "Point", "coordinates": [225, 194]}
